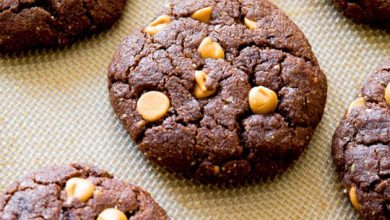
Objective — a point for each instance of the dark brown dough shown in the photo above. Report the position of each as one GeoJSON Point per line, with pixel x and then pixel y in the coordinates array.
{"type": "Point", "coordinates": [27, 24]}
{"type": "Point", "coordinates": [361, 148]}
{"type": "Point", "coordinates": [219, 139]}
{"type": "Point", "coordinates": [375, 12]}
{"type": "Point", "coordinates": [41, 195]}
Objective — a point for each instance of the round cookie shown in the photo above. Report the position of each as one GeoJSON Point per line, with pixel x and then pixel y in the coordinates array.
{"type": "Point", "coordinates": [27, 24]}
{"type": "Point", "coordinates": [375, 12]}
{"type": "Point", "coordinates": [361, 147]}
{"type": "Point", "coordinates": [76, 192]}
{"type": "Point", "coordinates": [243, 91]}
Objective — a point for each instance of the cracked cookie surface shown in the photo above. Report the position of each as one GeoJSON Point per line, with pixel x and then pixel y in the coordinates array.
{"type": "Point", "coordinates": [375, 12]}
{"type": "Point", "coordinates": [42, 195]}
{"type": "Point", "coordinates": [216, 137]}
{"type": "Point", "coordinates": [361, 148]}
{"type": "Point", "coordinates": [27, 24]}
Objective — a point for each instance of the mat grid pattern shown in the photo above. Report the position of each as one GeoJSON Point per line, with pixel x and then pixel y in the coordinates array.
{"type": "Point", "coordinates": [54, 109]}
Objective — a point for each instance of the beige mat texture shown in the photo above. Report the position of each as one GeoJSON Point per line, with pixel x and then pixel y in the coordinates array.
{"type": "Point", "coordinates": [54, 109]}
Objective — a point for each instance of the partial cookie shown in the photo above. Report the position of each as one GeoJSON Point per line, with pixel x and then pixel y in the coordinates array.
{"type": "Point", "coordinates": [222, 91]}
{"type": "Point", "coordinates": [361, 147]}
{"type": "Point", "coordinates": [26, 24]}
{"type": "Point", "coordinates": [76, 192]}
{"type": "Point", "coordinates": [375, 12]}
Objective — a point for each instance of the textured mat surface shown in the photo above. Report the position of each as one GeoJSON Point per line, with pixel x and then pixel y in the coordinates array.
{"type": "Point", "coordinates": [54, 109]}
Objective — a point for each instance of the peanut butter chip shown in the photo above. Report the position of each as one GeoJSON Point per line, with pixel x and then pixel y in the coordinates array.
{"type": "Point", "coordinates": [262, 100]}
{"type": "Point", "coordinates": [249, 23]}
{"type": "Point", "coordinates": [387, 93]}
{"type": "Point", "coordinates": [354, 198]}
{"type": "Point", "coordinates": [200, 90]}
{"type": "Point", "coordinates": [79, 188]}
{"type": "Point", "coordinates": [203, 15]}
{"type": "Point", "coordinates": [157, 25]}
{"type": "Point", "coordinates": [210, 49]}
{"type": "Point", "coordinates": [356, 103]}
{"type": "Point", "coordinates": [153, 105]}
{"type": "Point", "coordinates": [112, 214]}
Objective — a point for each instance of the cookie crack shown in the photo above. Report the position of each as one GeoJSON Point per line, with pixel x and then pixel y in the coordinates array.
{"type": "Point", "coordinates": [44, 5]}
{"type": "Point", "coordinates": [375, 184]}
{"type": "Point", "coordinates": [376, 142]}
{"type": "Point", "coordinates": [138, 209]}
{"type": "Point", "coordinates": [88, 13]}
{"type": "Point", "coordinates": [24, 5]}
{"type": "Point", "coordinates": [10, 195]}
{"type": "Point", "coordinates": [345, 145]}
{"type": "Point", "coordinates": [128, 68]}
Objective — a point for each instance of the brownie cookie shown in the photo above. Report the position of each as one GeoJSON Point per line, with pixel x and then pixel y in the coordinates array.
{"type": "Point", "coordinates": [26, 24]}
{"type": "Point", "coordinates": [219, 90]}
{"type": "Point", "coordinates": [76, 192]}
{"type": "Point", "coordinates": [375, 12]}
{"type": "Point", "coordinates": [361, 147]}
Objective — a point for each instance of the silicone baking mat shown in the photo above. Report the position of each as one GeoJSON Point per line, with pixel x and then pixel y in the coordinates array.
{"type": "Point", "coordinates": [54, 109]}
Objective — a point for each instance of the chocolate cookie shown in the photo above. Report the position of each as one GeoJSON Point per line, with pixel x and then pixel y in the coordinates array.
{"type": "Point", "coordinates": [219, 90]}
{"type": "Point", "coordinates": [361, 147]}
{"type": "Point", "coordinates": [26, 24]}
{"type": "Point", "coordinates": [76, 192]}
{"type": "Point", "coordinates": [375, 12]}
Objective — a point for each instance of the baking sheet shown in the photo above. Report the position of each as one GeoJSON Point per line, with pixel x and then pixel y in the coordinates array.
{"type": "Point", "coordinates": [54, 109]}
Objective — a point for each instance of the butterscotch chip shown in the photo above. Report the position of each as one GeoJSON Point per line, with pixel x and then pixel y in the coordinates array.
{"type": "Point", "coordinates": [201, 78]}
{"type": "Point", "coordinates": [200, 94]}
{"type": "Point", "coordinates": [152, 30]}
{"type": "Point", "coordinates": [112, 214]}
{"type": "Point", "coordinates": [359, 102]}
{"type": "Point", "coordinates": [354, 198]}
{"type": "Point", "coordinates": [216, 169]}
{"type": "Point", "coordinates": [210, 49]}
{"type": "Point", "coordinates": [200, 90]}
{"type": "Point", "coordinates": [163, 19]}
{"type": "Point", "coordinates": [203, 15]}
{"type": "Point", "coordinates": [249, 23]}
{"type": "Point", "coordinates": [158, 24]}
{"type": "Point", "coordinates": [262, 100]}
{"type": "Point", "coordinates": [79, 188]}
{"type": "Point", "coordinates": [153, 105]}
{"type": "Point", "coordinates": [387, 94]}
